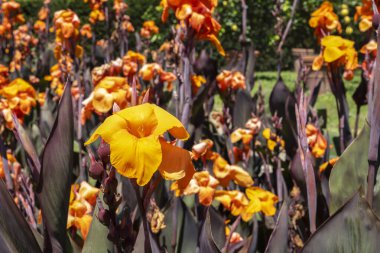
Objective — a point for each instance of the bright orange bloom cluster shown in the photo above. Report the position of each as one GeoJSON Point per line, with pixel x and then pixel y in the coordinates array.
{"type": "Point", "coordinates": [19, 98]}
{"type": "Point", "coordinates": [97, 13]}
{"type": "Point", "coordinates": [139, 130]}
{"type": "Point", "coordinates": [230, 79]}
{"type": "Point", "coordinates": [120, 7]}
{"type": "Point", "coordinates": [150, 71]}
{"type": "Point", "coordinates": [82, 202]}
{"type": "Point", "coordinates": [149, 28]}
{"type": "Point", "coordinates": [198, 16]}
{"type": "Point", "coordinates": [23, 43]}
{"type": "Point", "coordinates": [131, 62]}
{"type": "Point", "coordinates": [110, 90]}
{"type": "Point", "coordinates": [66, 25]}
{"type": "Point", "coordinates": [316, 141]}
{"type": "Point", "coordinates": [365, 13]}
{"type": "Point", "coordinates": [43, 15]}
{"type": "Point", "coordinates": [202, 184]}
{"type": "Point", "coordinates": [324, 20]}
{"type": "Point", "coordinates": [11, 16]}
{"type": "Point", "coordinates": [86, 31]}
{"type": "Point", "coordinates": [339, 51]}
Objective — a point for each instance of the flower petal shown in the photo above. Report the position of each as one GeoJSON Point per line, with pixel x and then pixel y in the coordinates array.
{"type": "Point", "coordinates": [108, 128]}
{"type": "Point", "coordinates": [176, 163]}
{"type": "Point", "coordinates": [167, 122]}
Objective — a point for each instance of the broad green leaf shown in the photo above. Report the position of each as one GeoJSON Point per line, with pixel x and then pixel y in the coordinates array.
{"type": "Point", "coordinates": [97, 236]}
{"type": "Point", "coordinates": [278, 241]}
{"type": "Point", "coordinates": [56, 172]}
{"type": "Point", "coordinates": [353, 228]}
{"type": "Point", "coordinates": [350, 173]}
{"type": "Point", "coordinates": [15, 233]}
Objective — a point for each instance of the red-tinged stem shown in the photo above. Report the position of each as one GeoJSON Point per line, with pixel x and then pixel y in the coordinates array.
{"type": "Point", "coordinates": [142, 210]}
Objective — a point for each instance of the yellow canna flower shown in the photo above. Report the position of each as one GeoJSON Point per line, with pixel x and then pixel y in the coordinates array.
{"type": "Point", "coordinates": [137, 148]}
{"type": "Point", "coordinates": [273, 140]}
{"type": "Point", "coordinates": [340, 52]}
{"type": "Point", "coordinates": [260, 200]}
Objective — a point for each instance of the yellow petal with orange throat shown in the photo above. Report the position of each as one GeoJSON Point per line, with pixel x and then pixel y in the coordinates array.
{"type": "Point", "coordinates": [135, 157]}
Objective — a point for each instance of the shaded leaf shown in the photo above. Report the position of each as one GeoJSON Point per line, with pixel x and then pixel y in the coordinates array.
{"type": "Point", "coordinates": [15, 233]}
{"type": "Point", "coordinates": [27, 145]}
{"type": "Point", "coordinates": [187, 228]}
{"type": "Point", "coordinates": [282, 102]}
{"type": "Point", "coordinates": [350, 172]}
{"type": "Point", "coordinates": [278, 241]}
{"type": "Point", "coordinates": [217, 227]}
{"type": "Point", "coordinates": [54, 185]}
{"type": "Point", "coordinates": [353, 228]}
{"type": "Point", "coordinates": [97, 236]}
{"type": "Point", "coordinates": [206, 239]}
{"type": "Point", "coordinates": [243, 108]}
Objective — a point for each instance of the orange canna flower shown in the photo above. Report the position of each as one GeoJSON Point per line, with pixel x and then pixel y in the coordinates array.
{"type": "Point", "coordinates": [365, 13]}
{"type": "Point", "coordinates": [324, 20]}
{"type": "Point", "coordinates": [110, 90]}
{"type": "Point", "coordinates": [244, 135]}
{"type": "Point", "coordinates": [328, 164]}
{"type": "Point", "coordinates": [202, 184]}
{"type": "Point", "coordinates": [39, 26]}
{"type": "Point", "coordinates": [150, 71]}
{"type": "Point", "coordinates": [131, 61]}
{"type": "Point", "coordinates": [138, 129]}
{"type": "Point", "coordinates": [82, 202]}
{"type": "Point", "coordinates": [201, 149]}
{"type": "Point", "coordinates": [149, 28]}
{"type": "Point", "coordinates": [316, 140]}
{"type": "Point", "coordinates": [198, 16]}
{"type": "Point", "coordinates": [225, 172]}
{"type": "Point", "coordinates": [86, 31]}
{"type": "Point", "coordinates": [260, 200]}
{"type": "Point", "coordinates": [196, 82]}
{"type": "Point", "coordinates": [235, 238]}
{"type": "Point", "coordinates": [227, 79]}
{"type": "Point", "coordinates": [234, 201]}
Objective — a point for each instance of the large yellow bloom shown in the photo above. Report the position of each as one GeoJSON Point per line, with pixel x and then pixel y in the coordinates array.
{"type": "Point", "coordinates": [338, 51]}
{"type": "Point", "coordinates": [137, 148]}
{"type": "Point", "coordinates": [259, 200]}
{"type": "Point", "coordinates": [324, 20]}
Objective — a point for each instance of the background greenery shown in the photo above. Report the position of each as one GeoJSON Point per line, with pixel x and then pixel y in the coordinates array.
{"type": "Point", "coordinates": [260, 23]}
